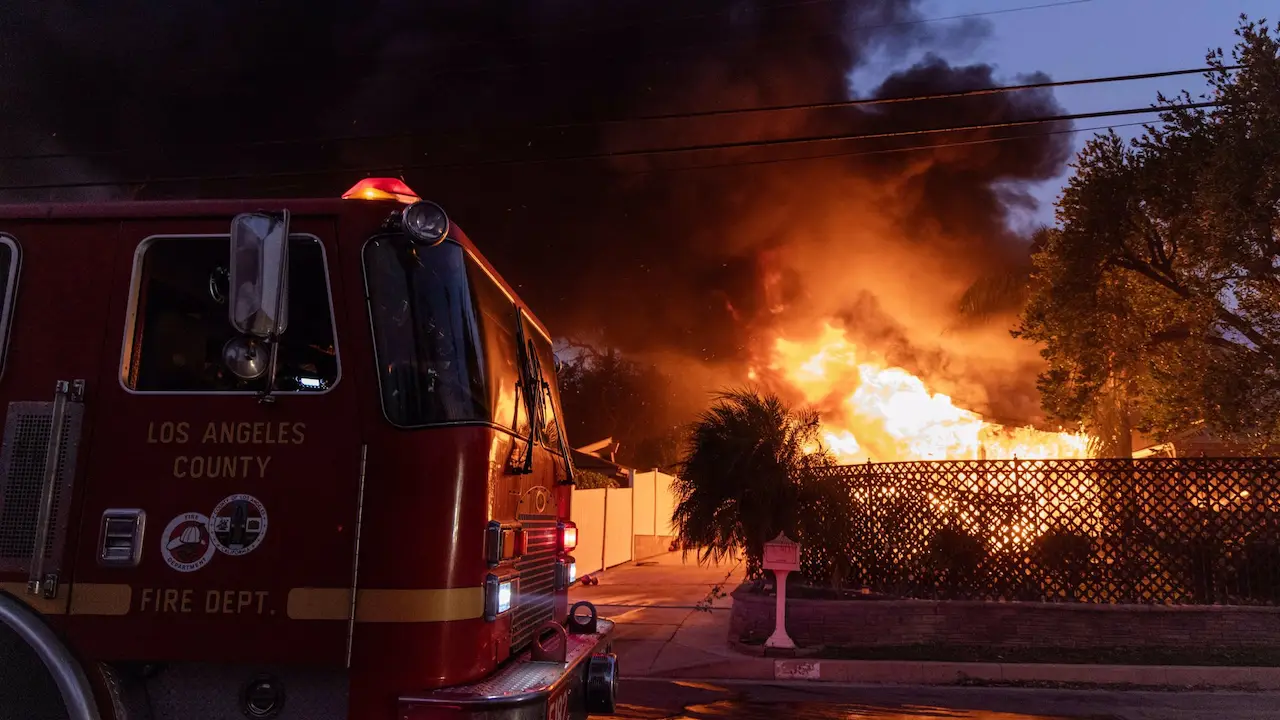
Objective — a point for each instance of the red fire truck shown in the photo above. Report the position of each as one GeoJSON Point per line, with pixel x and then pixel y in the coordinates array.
{"type": "Point", "coordinates": [305, 461]}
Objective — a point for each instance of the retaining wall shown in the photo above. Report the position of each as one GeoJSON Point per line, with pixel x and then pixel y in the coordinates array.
{"type": "Point", "coordinates": [878, 622]}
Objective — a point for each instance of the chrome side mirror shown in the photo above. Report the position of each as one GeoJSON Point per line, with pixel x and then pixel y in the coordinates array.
{"type": "Point", "coordinates": [258, 292]}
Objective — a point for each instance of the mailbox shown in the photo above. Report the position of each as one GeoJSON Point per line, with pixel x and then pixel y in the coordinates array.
{"type": "Point", "coordinates": [782, 556]}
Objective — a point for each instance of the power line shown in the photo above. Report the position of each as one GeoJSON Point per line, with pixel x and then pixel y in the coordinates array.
{"type": "Point", "coordinates": [815, 139]}
{"type": "Point", "coordinates": [822, 139]}
{"type": "Point", "coordinates": [863, 102]}
{"type": "Point", "coordinates": [683, 168]}
{"type": "Point", "coordinates": [881, 151]}
{"type": "Point", "coordinates": [662, 117]}
{"type": "Point", "coordinates": [982, 13]}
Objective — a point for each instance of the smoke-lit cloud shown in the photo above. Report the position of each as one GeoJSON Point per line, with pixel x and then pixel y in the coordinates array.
{"type": "Point", "coordinates": [697, 264]}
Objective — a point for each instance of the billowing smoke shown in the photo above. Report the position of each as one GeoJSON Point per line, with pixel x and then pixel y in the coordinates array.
{"type": "Point", "coordinates": [693, 265]}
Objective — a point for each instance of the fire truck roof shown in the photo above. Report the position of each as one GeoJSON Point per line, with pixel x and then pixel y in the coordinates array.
{"type": "Point", "coordinates": [151, 209]}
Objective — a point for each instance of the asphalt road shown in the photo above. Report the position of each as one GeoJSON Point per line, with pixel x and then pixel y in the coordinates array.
{"type": "Point", "coordinates": [683, 699]}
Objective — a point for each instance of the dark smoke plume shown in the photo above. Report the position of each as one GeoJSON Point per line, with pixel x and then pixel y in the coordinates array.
{"type": "Point", "coordinates": [693, 265]}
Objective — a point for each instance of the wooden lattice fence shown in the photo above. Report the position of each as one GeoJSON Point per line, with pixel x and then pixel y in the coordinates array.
{"type": "Point", "coordinates": [1158, 530]}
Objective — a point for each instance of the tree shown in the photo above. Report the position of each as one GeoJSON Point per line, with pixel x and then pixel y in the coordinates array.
{"type": "Point", "coordinates": [1004, 290]}
{"type": "Point", "coordinates": [592, 480]}
{"type": "Point", "coordinates": [749, 474]}
{"type": "Point", "coordinates": [1159, 291]}
{"type": "Point", "coordinates": [606, 394]}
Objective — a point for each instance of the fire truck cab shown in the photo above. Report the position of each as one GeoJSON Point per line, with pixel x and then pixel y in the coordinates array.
{"type": "Point", "coordinates": [301, 462]}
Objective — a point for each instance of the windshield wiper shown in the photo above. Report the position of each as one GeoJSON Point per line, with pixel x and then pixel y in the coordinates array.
{"type": "Point", "coordinates": [527, 385]}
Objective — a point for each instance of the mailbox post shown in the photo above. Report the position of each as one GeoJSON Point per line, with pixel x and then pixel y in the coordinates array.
{"type": "Point", "coordinates": [782, 556]}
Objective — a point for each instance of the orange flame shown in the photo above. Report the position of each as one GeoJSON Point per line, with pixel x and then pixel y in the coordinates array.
{"type": "Point", "coordinates": [886, 414]}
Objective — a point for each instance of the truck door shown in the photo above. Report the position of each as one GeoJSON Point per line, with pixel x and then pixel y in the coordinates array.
{"type": "Point", "coordinates": [245, 505]}
{"type": "Point", "coordinates": [57, 287]}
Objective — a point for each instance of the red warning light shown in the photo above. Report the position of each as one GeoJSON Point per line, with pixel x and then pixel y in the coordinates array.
{"type": "Point", "coordinates": [381, 189]}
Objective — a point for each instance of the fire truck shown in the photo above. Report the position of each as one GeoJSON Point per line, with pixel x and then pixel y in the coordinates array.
{"type": "Point", "coordinates": [292, 459]}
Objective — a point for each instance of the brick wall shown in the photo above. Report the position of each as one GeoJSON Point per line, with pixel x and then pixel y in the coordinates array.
{"type": "Point", "coordinates": [1013, 624]}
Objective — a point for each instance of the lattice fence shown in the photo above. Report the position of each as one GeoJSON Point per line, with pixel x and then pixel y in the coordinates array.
{"type": "Point", "coordinates": [1158, 530]}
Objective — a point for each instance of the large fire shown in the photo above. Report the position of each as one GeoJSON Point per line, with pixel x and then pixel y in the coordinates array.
{"type": "Point", "coordinates": [876, 412]}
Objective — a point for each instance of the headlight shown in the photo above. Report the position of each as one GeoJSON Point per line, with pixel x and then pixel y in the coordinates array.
{"type": "Point", "coordinates": [504, 597]}
{"type": "Point", "coordinates": [499, 595]}
{"type": "Point", "coordinates": [566, 572]}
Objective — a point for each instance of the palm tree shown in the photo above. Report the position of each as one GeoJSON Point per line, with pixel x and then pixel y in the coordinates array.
{"type": "Point", "coordinates": [747, 475]}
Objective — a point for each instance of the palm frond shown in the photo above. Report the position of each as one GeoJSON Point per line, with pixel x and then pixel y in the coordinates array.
{"type": "Point", "coordinates": [741, 479]}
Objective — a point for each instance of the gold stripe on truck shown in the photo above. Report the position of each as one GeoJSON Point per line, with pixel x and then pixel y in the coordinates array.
{"type": "Point", "coordinates": [101, 599]}
{"type": "Point", "coordinates": [85, 598]}
{"type": "Point", "coordinates": [372, 605]}
{"type": "Point", "coordinates": [387, 606]}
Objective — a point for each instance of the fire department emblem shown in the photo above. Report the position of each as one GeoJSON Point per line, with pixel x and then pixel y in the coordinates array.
{"type": "Point", "coordinates": [185, 544]}
{"type": "Point", "coordinates": [535, 501]}
{"type": "Point", "coordinates": [238, 524]}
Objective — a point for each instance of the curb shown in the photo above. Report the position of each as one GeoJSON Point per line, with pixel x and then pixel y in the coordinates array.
{"type": "Point", "coordinates": [897, 672]}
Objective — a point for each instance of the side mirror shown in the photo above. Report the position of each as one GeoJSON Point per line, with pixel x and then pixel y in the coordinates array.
{"type": "Point", "coordinates": [258, 292]}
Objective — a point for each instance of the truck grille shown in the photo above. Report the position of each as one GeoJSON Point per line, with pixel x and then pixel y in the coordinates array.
{"type": "Point", "coordinates": [537, 579]}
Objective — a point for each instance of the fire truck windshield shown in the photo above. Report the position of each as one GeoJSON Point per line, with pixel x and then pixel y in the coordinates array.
{"type": "Point", "coordinates": [444, 334]}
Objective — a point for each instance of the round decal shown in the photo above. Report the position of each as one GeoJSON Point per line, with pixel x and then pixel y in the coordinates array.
{"type": "Point", "coordinates": [185, 543]}
{"type": "Point", "coordinates": [238, 524]}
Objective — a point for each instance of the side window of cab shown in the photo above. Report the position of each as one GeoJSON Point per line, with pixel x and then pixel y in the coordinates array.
{"type": "Point", "coordinates": [550, 428]}
{"type": "Point", "coordinates": [180, 339]}
{"type": "Point", "coordinates": [10, 260]}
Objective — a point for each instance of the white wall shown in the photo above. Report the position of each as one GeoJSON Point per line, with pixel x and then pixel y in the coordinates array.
{"type": "Point", "coordinates": [608, 520]}
{"type": "Point", "coordinates": [642, 502]}
{"type": "Point", "coordinates": [664, 504]}
{"type": "Point", "coordinates": [618, 536]}
{"type": "Point", "coordinates": [586, 510]}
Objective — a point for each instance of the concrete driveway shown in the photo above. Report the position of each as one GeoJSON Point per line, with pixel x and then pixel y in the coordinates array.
{"type": "Point", "coordinates": [655, 603]}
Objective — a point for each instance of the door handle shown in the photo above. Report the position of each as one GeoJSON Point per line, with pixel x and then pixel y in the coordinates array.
{"type": "Point", "coordinates": [65, 392]}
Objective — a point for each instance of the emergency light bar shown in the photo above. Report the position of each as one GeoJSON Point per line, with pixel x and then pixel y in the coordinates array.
{"type": "Point", "coordinates": [382, 189]}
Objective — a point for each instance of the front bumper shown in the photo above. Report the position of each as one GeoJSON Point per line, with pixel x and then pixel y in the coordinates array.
{"type": "Point", "coordinates": [529, 689]}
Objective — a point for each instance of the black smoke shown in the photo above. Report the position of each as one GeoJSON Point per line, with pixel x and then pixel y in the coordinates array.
{"type": "Point", "coordinates": [694, 263]}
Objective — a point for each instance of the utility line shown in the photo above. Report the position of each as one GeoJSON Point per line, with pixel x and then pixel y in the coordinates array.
{"type": "Point", "coordinates": [880, 151]}
{"type": "Point", "coordinates": [401, 168]}
{"type": "Point", "coordinates": [864, 102]}
{"type": "Point", "coordinates": [672, 116]}
{"type": "Point", "coordinates": [814, 139]}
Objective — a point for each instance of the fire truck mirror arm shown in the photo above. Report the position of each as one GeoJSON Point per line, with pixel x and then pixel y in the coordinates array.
{"type": "Point", "coordinates": [68, 675]}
